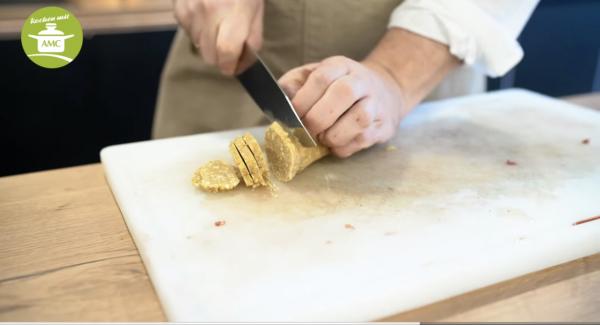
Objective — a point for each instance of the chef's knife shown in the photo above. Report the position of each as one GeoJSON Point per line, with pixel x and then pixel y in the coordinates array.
{"type": "Point", "coordinates": [259, 82]}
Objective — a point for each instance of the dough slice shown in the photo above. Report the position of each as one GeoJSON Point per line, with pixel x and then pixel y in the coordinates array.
{"type": "Point", "coordinates": [250, 161]}
{"type": "Point", "coordinates": [241, 164]}
{"type": "Point", "coordinates": [215, 176]}
{"type": "Point", "coordinates": [258, 155]}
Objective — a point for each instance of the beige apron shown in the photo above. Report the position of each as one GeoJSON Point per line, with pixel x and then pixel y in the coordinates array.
{"type": "Point", "coordinates": [194, 97]}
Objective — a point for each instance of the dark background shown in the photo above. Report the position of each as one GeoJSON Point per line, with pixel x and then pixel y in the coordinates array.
{"type": "Point", "coordinates": [63, 117]}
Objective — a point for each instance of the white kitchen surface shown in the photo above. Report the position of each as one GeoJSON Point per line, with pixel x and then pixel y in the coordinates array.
{"type": "Point", "coordinates": [440, 216]}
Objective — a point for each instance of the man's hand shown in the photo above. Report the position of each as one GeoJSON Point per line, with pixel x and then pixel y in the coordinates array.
{"type": "Point", "coordinates": [219, 28]}
{"type": "Point", "coordinates": [346, 104]}
{"type": "Point", "coordinates": [350, 105]}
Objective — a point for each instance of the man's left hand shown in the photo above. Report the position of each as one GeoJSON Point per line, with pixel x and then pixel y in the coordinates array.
{"type": "Point", "coordinates": [347, 105]}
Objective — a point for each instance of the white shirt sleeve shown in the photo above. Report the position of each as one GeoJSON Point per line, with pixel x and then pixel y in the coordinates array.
{"type": "Point", "coordinates": [478, 32]}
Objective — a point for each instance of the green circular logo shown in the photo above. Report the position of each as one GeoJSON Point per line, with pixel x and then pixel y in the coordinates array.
{"type": "Point", "coordinates": [51, 37]}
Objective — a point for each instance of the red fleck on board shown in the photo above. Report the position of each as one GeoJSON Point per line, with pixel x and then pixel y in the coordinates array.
{"type": "Point", "coordinates": [511, 162]}
{"type": "Point", "coordinates": [219, 223]}
{"type": "Point", "coordinates": [585, 141]}
{"type": "Point", "coordinates": [349, 226]}
{"type": "Point", "coordinates": [587, 220]}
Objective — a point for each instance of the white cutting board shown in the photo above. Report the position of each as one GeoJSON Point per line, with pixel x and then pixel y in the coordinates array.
{"type": "Point", "coordinates": [440, 216]}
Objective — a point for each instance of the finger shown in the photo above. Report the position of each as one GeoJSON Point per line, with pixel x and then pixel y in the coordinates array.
{"type": "Point", "coordinates": [316, 85]}
{"type": "Point", "coordinates": [183, 15]}
{"type": "Point", "coordinates": [320, 138]}
{"type": "Point", "coordinates": [208, 41]}
{"type": "Point", "coordinates": [351, 124]}
{"type": "Point", "coordinates": [232, 34]}
{"type": "Point", "coordinates": [256, 29]}
{"type": "Point", "coordinates": [338, 98]}
{"type": "Point", "coordinates": [196, 24]}
{"type": "Point", "coordinates": [364, 140]}
{"type": "Point", "coordinates": [207, 25]}
{"type": "Point", "coordinates": [292, 80]}
{"type": "Point", "coordinates": [196, 35]}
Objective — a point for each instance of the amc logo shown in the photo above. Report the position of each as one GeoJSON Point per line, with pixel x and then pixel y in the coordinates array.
{"type": "Point", "coordinates": [51, 40]}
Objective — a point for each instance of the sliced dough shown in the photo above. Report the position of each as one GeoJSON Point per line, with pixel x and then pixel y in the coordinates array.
{"type": "Point", "coordinates": [258, 156]}
{"type": "Point", "coordinates": [241, 164]}
{"type": "Point", "coordinates": [216, 176]}
{"type": "Point", "coordinates": [251, 163]}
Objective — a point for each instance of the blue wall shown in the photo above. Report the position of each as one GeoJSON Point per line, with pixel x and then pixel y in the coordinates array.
{"type": "Point", "coordinates": [562, 50]}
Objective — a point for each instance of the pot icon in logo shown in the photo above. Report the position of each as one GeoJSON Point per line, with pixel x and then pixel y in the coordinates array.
{"type": "Point", "coordinates": [51, 37]}
{"type": "Point", "coordinates": [51, 40]}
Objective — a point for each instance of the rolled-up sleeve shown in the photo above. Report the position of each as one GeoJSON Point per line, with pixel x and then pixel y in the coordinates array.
{"type": "Point", "coordinates": [478, 32]}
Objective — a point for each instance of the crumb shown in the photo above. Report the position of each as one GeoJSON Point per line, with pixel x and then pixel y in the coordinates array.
{"type": "Point", "coordinates": [328, 242]}
{"type": "Point", "coordinates": [389, 233]}
{"type": "Point", "coordinates": [349, 226]}
{"type": "Point", "coordinates": [511, 162]}
{"type": "Point", "coordinates": [391, 147]}
{"type": "Point", "coordinates": [585, 141]}
{"type": "Point", "coordinates": [219, 223]}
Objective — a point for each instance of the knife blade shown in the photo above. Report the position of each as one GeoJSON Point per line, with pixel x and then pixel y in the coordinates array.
{"type": "Point", "coordinates": [260, 84]}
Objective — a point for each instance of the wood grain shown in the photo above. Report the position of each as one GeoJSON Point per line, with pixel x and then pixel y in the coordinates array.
{"type": "Point", "coordinates": [66, 255]}
{"type": "Point", "coordinates": [566, 292]}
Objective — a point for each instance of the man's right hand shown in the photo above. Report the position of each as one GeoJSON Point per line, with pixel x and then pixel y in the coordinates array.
{"type": "Point", "coordinates": [219, 28]}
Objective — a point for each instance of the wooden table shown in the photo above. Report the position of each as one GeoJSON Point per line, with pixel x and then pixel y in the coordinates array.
{"type": "Point", "coordinates": [66, 255]}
